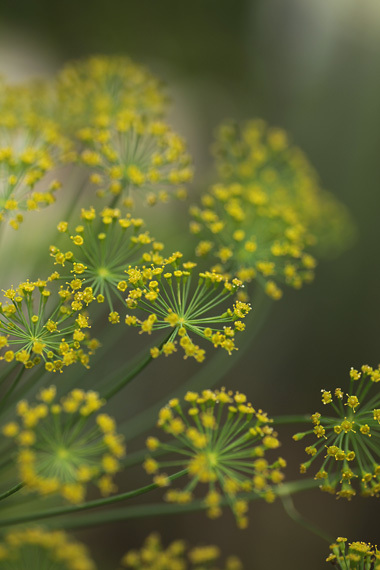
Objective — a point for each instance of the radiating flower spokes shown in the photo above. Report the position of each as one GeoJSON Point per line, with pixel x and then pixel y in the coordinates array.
{"type": "Point", "coordinates": [37, 323]}
{"type": "Point", "coordinates": [350, 442]}
{"type": "Point", "coordinates": [221, 441]}
{"type": "Point", "coordinates": [101, 248]}
{"type": "Point", "coordinates": [354, 555]}
{"type": "Point", "coordinates": [63, 445]}
{"type": "Point", "coordinates": [167, 294]}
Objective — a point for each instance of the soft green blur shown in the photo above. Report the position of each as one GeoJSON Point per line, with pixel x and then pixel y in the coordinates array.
{"type": "Point", "coordinates": [311, 68]}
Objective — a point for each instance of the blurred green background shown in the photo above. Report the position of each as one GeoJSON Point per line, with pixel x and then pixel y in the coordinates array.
{"type": "Point", "coordinates": [313, 69]}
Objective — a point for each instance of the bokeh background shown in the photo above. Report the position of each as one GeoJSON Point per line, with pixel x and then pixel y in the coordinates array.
{"type": "Point", "coordinates": [313, 69]}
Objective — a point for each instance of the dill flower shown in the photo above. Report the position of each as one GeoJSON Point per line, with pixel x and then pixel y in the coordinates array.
{"type": "Point", "coordinates": [31, 147]}
{"type": "Point", "coordinates": [62, 446]}
{"type": "Point", "coordinates": [177, 556]}
{"type": "Point", "coordinates": [252, 237]}
{"type": "Point", "coordinates": [132, 154]}
{"type": "Point", "coordinates": [165, 293]}
{"type": "Point", "coordinates": [354, 555]}
{"type": "Point", "coordinates": [37, 325]}
{"type": "Point", "coordinates": [35, 548]}
{"type": "Point", "coordinates": [221, 441]}
{"type": "Point", "coordinates": [92, 91]}
{"type": "Point", "coordinates": [348, 442]}
{"type": "Point", "coordinates": [102, 247]}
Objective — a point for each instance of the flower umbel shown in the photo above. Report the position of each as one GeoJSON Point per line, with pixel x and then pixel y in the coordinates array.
{"type": "Point", "coordinates": [62, 446]}
{"type": "Point", "coordinates": [166, 293]}
{"type": "Point", "coordinates": [32, 328]}
{"type": "Point", "coordinates": [354, 555]}
{"type": "Point", "coordinates": [221, 442]}
{"type": "Point", "coordinates": [102, 247]}
{"type": "Point", "coordinates": [35, 549]}
{"type": "Point", "coordinates": [350, 440]}
{"type": "Point", "coordinates": [177, 556]}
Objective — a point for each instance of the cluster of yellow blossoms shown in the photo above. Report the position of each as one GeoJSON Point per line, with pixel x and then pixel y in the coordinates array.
{"type": "Point", "coordinates": [221, 442]}
{"type": "Point", "coordinates": [261, 218]}
{"type": "Point", "coordinates": [132, 153]}
{"type": "Point", "coordinates": [350, 439]}
{"type": "Point", "coordinates": [35, 549]}
{"type": "Point", "coordinates": [92, 91]}
{"type": "Point", "coordinates": [62, 446]}
{"type": "Point", "coordinates": [34, 326]}
{"type": "Point", "coordinates": [357, 556]}
{"type": "Point", "coordinates": [102, 246]}
{"type": "Point", "coordinates": [166, 293]}
{"type": "Point", "coordinates": [177, 556]}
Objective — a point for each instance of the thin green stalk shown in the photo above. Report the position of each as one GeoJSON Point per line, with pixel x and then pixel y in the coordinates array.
{"type": "Point", "coordinates": [11, 491]}
{"type": "Point", "coordinates": [290, 509]}
{"type": "Point", "coordinates": [161, 509]}
{"type": "Point", "coordinates": [86, 506]}
{"type": "Point", "coordinates": [133, 373]}
{"type": "Point", "coordinates": [12, 387]}
{"type": "Point", "coordinates": [291, 419]}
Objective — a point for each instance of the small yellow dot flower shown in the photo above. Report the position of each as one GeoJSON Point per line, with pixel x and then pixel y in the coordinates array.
{"type": "Point", "coordinates": [348, 442]}
{"type": "Point", "coordinates": [35, 548]}
{"type": "Point", "coordinates": [93, 91]}
{"type": "Point", "coordinates": [177, 556]}
{"type": "Point", "coordinates": [222, 441]}
{"type": "Point", "coordinates": [108, 242]}
{"type": "Point", "coordinates": [166, 293]}
{"type": "Point", "coordinates": [353, 555]}
{"type": "Point", "coordinates": [54, 334]}
{"type": "Point", "coordinates": [82, 446]}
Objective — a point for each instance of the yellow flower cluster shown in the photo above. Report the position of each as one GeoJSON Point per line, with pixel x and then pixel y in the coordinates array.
{"type": "Point", "coordinates": [355, 555]}
{"type": "Point", "coordinates": [348, 440]}
{"type": "Point", "coordinates": [132, 153]}
{"type": "Point", "coordinates": [35, 548]}
{"type": "Point", "coordinates": [62, 446]}
{"type": "Point", "coordinates": [91, 92]}
{"type": "Point", "coordinates": [30, 149]}
{"type": "Point", "coordinates": [221, 442]}
{"type": "Point", "coordinates": [261, 218]}
{"type": "Point", "coordinates": [32, 329]}
{"type": "Point", "coordinates": [166, 293]}
{"type": "Point", "coordinates": [102, 246]}
{"type": "Point", "coordinates": [176, 556]}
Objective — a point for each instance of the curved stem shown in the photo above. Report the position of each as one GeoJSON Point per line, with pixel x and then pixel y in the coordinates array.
{"type": "Point", "coordinates": [133, 373]}
{"type": "Point", "coordinates": [11, 491]}
{"type": "Point", "coordinates": [85, 506]}
{"type": "Point", "coordinates": [160, 509]}
{"type": "Point", "coordinates": [12, 387]}
{"type": "Point", "coordinates": [290, 509]}
{"type": "Point", "coordinates": [291, 419]}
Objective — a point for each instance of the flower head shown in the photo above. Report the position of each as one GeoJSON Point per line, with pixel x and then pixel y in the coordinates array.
{"type": "Point", "coordinates": [63, 445]}
{"type": "Point", "coordinates": [354, 555]}
{"type": "Point", "coordinates": [133, 155]}
{"type": "Point", "coordinates": [38, 324]}
{"type": "Point", "coordinates": [177, 556]}
{"type": "Point", "coordinates": [31, 147]}
{"type": "Point", "coordinates": [34, 548]}
{"type": "Point", "coordinates": [221, 442]}
{"type": "Point", "coordinates": [94, 90]}
{"type": "Point", "coordinates": [348, 442]}
{"type": "Point", "coordinates": [166, 294]}
{"type": "Point", "coordinates": [102, 247]}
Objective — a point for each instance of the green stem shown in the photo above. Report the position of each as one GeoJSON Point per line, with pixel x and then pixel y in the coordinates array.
{"type": "Point", "coordinates": [290, 509]}
{"type": "Point", "coordinates": [85, 506]}
{"type": "Point", "coordinates": [12, 387]}
{"type": "Point", "coordinates": [160, 509]}
{"type": "Point", "coordinates": [11, 491]}
{"type": "Point", "coordinates": [295, 419]}
{"type": "Point", "coordinates": [133, 373]}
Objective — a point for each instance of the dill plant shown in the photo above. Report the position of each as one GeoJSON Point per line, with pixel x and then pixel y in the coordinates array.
{"type": "Point", "coordinates": [262, 220]}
